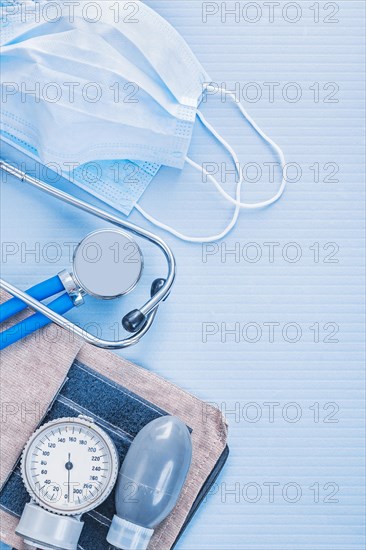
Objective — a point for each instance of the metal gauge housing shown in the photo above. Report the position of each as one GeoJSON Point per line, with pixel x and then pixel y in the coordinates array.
{"type": "Point", "coordinates": [69, 466]}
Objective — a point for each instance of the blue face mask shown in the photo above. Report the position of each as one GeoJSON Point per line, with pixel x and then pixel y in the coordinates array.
{"type": "Point", "coordinates": [99, 86]}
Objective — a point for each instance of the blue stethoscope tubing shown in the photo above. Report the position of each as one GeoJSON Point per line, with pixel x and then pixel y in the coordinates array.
{"type": "Point", "coordinates": [41, 291]}
{"type": "Point", "coordinates": [24, 328]}
{"type": "Point", "coordinates": [139, 321]}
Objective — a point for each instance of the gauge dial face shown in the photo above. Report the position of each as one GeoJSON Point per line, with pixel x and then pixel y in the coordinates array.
{"type": "Point", "coordinates": [70, 466]}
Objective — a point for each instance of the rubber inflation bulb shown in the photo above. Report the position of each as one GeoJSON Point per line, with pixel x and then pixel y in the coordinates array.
{"type": "Point", "coordinates": [154, 472]}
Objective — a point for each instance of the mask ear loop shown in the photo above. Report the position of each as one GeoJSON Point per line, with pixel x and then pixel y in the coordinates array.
{"type": "Point", "coordinates": [235, 217]}
{"type": "Point", "coordinates": [237, 202]}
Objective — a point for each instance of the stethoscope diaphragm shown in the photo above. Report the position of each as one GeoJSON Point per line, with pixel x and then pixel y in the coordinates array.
{"type": "Point", "coordinates": [107, 264]}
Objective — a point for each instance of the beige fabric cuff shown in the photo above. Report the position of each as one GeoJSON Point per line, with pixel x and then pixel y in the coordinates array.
{"type": "Point", "coordinates": [32, 371]}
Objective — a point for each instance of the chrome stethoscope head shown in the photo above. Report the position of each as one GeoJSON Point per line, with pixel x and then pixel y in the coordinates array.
{"type": "Point", "coordinates": [107, 264]}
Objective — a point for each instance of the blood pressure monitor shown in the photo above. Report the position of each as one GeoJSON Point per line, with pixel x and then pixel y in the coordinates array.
{"type": "Point", "coordinates": [69, 466]}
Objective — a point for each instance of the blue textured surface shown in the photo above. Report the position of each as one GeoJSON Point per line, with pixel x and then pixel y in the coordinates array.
{"type": "Point", "coordinates": [322, 454]}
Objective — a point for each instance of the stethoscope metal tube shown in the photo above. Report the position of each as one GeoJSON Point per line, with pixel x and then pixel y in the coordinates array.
{"type": "Point", "coordinates": [74, 329]}
{"type": "Point", "coordinates": [138, 321]}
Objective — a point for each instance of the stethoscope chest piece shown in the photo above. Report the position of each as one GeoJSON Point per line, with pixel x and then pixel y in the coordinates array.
{"type": "Point", "coordinates": [107, 264]}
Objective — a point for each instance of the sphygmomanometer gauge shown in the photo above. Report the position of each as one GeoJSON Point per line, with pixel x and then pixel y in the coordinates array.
{"type": "Point", "coordinates": [69, 466]}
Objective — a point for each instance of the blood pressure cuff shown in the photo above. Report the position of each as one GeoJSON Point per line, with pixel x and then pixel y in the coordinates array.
{"type": "Point", "coordinates": [52, 375]}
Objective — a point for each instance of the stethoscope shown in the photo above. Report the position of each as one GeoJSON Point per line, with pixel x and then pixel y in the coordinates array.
{"type": "Point", "coordinates": [107, 264]}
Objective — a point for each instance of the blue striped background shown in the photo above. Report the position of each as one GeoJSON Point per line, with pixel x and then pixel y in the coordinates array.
{"type": "Point", "coordinates": [317, 457]}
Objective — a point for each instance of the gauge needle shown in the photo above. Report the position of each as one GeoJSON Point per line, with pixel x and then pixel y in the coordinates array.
{"type": "Point", "coordinates": [69, 466]}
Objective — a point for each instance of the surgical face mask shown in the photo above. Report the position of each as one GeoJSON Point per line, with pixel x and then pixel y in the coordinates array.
{"type": "Point", "coordinates": [101, 86]}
